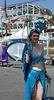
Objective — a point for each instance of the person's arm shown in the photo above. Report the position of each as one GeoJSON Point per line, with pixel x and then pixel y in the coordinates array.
{"type": "Point", "coordinates": [27, 57]}
{"type": "Point", "coordinates": [2, 44]}
{"type": "Point", "coordinates": [27, 54]}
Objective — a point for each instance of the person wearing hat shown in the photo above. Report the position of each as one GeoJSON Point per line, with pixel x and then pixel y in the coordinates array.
{"type": "Point", "coordinates": [34, 67]}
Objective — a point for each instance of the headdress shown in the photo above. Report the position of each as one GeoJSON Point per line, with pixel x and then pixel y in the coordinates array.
{"type": "Point", "coordinates": [39, 28]}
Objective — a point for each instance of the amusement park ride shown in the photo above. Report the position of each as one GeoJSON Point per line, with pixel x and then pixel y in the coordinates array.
{"type": "Point", "coordinates": [27, 20]}
{"type": "Point", "coordinates": [49, 13]}
{"type": "Point", "coordinates": [16, 44]}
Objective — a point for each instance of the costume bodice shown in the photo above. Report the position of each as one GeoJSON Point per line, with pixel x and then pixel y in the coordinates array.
{"type": "Point", "coordinates": [35, 59]}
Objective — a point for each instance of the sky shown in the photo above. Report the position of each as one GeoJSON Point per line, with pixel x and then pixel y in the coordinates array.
{"type": "Point", "coordinates": [44, 3]}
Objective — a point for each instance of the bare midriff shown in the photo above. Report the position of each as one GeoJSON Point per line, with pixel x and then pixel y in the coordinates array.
{"type": "Point", "coordinates": [38, 66]}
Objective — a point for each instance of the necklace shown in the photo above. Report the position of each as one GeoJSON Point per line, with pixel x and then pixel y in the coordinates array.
{"type": "Point", "coordinates": [36, 50]}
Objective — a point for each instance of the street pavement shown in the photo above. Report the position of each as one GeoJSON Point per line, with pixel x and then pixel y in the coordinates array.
{"type": "Point", "coordinates": [12, 84]}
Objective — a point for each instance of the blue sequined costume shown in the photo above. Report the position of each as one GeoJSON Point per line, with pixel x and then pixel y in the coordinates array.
{"type": "Point", "coordinates": [31, 76]}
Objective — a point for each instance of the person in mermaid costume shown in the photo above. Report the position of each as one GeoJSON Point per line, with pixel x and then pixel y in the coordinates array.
{"type": "Point", "coordinates": [33, 66]}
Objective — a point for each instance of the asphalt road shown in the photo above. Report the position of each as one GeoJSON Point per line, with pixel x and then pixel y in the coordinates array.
{"type": "Point", "coordinates": [12, 84]}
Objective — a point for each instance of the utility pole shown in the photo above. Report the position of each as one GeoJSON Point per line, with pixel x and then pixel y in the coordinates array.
{"type": "Point", "coordinates": [5, 16]}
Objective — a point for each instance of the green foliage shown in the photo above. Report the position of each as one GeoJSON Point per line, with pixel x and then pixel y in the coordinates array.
{"type": "Point", "coordinates": [50, 22]}
{"type": "Point", "coordinates": [41, 18]}
{"type": "Point", "coordinates": [48, 11]}
{"type": "Point", "coordinates": [30, 24]}
{"type": "Point", "coordinates": [24, 11]}
{"type": "Point", "coordinates": [30, 18]}
{"type": "Point", "coordinates": [19, 13]}
{"type": "Point", "coordinates": [52, 18]}
{"type": "Point", "coordinates": [42, 12]}
{"type": "Point", "coordinates": [30, 10]}
{"type": "Point", "coordinates": [36, 10]}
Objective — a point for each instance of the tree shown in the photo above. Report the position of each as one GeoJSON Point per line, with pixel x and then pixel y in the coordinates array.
{"type": "Point", "coordinates": [48, 11]}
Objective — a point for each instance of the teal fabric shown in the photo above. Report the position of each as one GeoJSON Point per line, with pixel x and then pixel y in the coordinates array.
{"type": "Point", "coordinates": [30, 75]}
{"type": "Point", "coordinates": [33, 77]}
{"type": "Point", "coordinates": [35, 59]}
{"type": "Point", "coordinates": [25, 65]}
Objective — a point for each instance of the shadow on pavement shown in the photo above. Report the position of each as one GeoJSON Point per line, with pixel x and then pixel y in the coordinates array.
{"type": "Point", "coordinates": [50, 98]}
{"type": "Point", "coordinates": [6, 65]}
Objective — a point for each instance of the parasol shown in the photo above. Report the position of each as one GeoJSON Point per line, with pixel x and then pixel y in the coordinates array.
{"type": "Point", "coordinates": [26, 18]}
{"type": "Point", "coordinates": [15, 49]}
{"type": "Point", "coordinates": [5, 40]}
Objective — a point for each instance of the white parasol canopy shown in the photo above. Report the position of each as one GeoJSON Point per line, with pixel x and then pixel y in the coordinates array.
{"type": "Point", "coordinates": [18, 35]}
